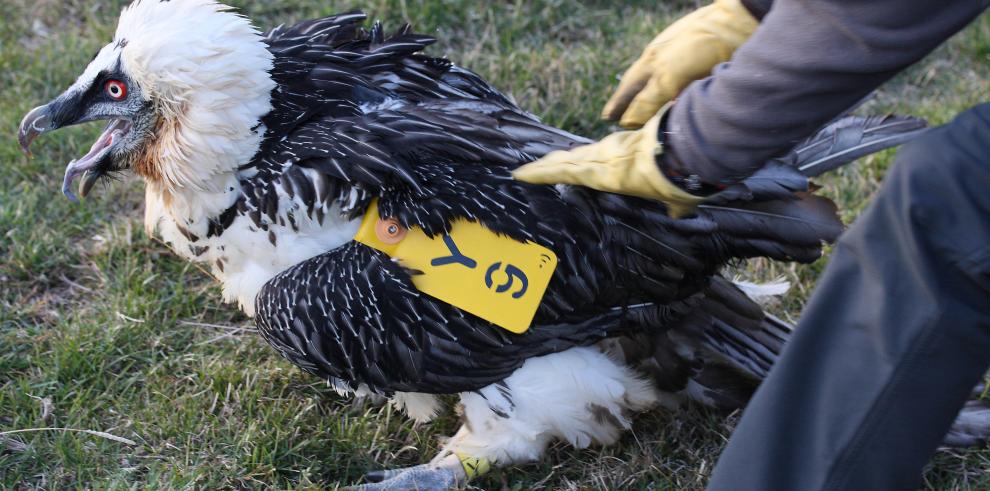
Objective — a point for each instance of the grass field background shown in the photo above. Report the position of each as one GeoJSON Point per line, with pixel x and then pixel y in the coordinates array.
{"type": "Point", "coordinates": [102, 328]}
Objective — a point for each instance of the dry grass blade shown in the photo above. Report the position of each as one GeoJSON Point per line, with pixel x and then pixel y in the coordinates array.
{"type": "Point", "coordinates": [231, 334]}
{"type": "Point", "coordinates": [101, 434]}
{"type": "Point", "coordinates": [213, 326]}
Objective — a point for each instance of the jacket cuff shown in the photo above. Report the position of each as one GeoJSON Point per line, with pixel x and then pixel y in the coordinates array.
{"type": "Point", "coordinates": [758, 8]}
{"type": "Point", "coordinates": [674, 170]}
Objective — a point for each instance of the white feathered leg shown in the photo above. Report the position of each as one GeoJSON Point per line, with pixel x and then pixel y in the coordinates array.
{"type": "Point", "coordinates": [580, 395]}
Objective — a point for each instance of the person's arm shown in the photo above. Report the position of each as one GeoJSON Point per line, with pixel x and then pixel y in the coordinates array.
{"type": "Point", "coordinates": [807, 62]}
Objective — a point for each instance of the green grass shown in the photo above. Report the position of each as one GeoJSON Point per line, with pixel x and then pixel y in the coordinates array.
{"type": "Point", "coordinates": [101, 328]}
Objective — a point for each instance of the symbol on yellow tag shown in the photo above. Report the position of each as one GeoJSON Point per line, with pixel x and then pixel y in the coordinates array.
{"type": "Point", "coordinates": [472, 268]}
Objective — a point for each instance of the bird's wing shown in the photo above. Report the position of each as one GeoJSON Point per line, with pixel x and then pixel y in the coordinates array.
{"type": "Point", "coordinates": [353, 314]}
{"type": "Point", "coordinates": [428, 166]}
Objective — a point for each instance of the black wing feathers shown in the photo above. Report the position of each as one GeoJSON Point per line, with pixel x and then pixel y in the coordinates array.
{"type": "Point", "coordinates": [380, 331]}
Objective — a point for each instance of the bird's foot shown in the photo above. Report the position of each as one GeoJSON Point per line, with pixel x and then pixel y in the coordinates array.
{"type": "Point", "coordinates": [443, 474]}
{"type": "Point", "coordinates": [421, 477]}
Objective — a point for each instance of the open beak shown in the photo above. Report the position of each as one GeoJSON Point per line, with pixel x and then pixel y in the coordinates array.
{"type": "Point", "coordinates": [41, 120]}
{"type": "Point", "coordinates": [36, 122]}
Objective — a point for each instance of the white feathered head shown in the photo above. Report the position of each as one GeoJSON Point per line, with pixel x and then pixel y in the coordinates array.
{"type": "Point", "coordinates": [183, 84]}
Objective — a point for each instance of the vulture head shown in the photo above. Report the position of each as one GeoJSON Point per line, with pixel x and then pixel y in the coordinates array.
{"type": "Point", "coordinates": [182, 87]}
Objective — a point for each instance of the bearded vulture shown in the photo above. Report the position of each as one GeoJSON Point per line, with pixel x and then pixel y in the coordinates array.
{"type": "Point", "coordinates": [261, 154]}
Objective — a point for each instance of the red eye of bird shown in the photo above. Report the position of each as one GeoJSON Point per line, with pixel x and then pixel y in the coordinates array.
{"type": "Point", "coordinates": [115, 89]}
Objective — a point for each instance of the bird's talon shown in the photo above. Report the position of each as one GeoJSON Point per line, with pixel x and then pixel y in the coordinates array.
{"type": "Point", "coordinates": [421, 478]}
{"type": "Point", "coordinates": [386, 474]}
{"type": "Point", "coordinates": [375, 476]}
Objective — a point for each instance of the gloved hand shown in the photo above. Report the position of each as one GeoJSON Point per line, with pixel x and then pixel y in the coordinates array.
{"type": "Point", "coordinates": [623, 162]}
{"type": "Point", "coordinates": [685, 51]}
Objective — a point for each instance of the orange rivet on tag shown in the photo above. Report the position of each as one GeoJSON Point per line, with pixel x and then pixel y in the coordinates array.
{"type": "Point", "coordinates": [389, 231]}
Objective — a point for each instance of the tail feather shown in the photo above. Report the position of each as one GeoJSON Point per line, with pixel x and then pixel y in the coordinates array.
{"type": "Point", "coordinates": [850, 138]}
{"type": "Point", "coordinates": [752, 351]}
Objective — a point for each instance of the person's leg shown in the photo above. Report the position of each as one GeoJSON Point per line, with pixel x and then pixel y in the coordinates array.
{"type": "Point", "coordinates": [893, 339]}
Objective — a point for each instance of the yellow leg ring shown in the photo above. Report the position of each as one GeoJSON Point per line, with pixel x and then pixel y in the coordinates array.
{"type": "Point", "coordinates": [474, 466]}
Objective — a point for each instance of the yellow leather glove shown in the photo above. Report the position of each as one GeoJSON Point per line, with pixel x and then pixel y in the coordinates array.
{"type": "Point", "coordinates": [623, 162]}
{"type": "Point", "coordinates": [685, 51]}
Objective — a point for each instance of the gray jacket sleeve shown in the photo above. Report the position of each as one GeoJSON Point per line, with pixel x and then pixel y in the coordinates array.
{"type": "Point", "coordinates": [809, 61]}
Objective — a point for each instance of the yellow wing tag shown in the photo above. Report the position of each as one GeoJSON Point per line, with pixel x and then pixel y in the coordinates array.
{"type": "Point", "coordinates": [472, 268]}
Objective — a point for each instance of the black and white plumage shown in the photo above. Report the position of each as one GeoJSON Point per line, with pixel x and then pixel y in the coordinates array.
{"type": "Point", "coordinates": [261, 152]}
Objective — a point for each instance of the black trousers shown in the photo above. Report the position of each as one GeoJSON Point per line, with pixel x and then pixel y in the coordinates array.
{"type": "Point", "coordinates": [893, 339]}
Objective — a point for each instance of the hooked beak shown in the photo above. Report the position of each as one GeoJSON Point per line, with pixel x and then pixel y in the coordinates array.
{"type": "Point", "coordinates": [36, 122]}
{"type": "Point", "coordinates": [64, 112]}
